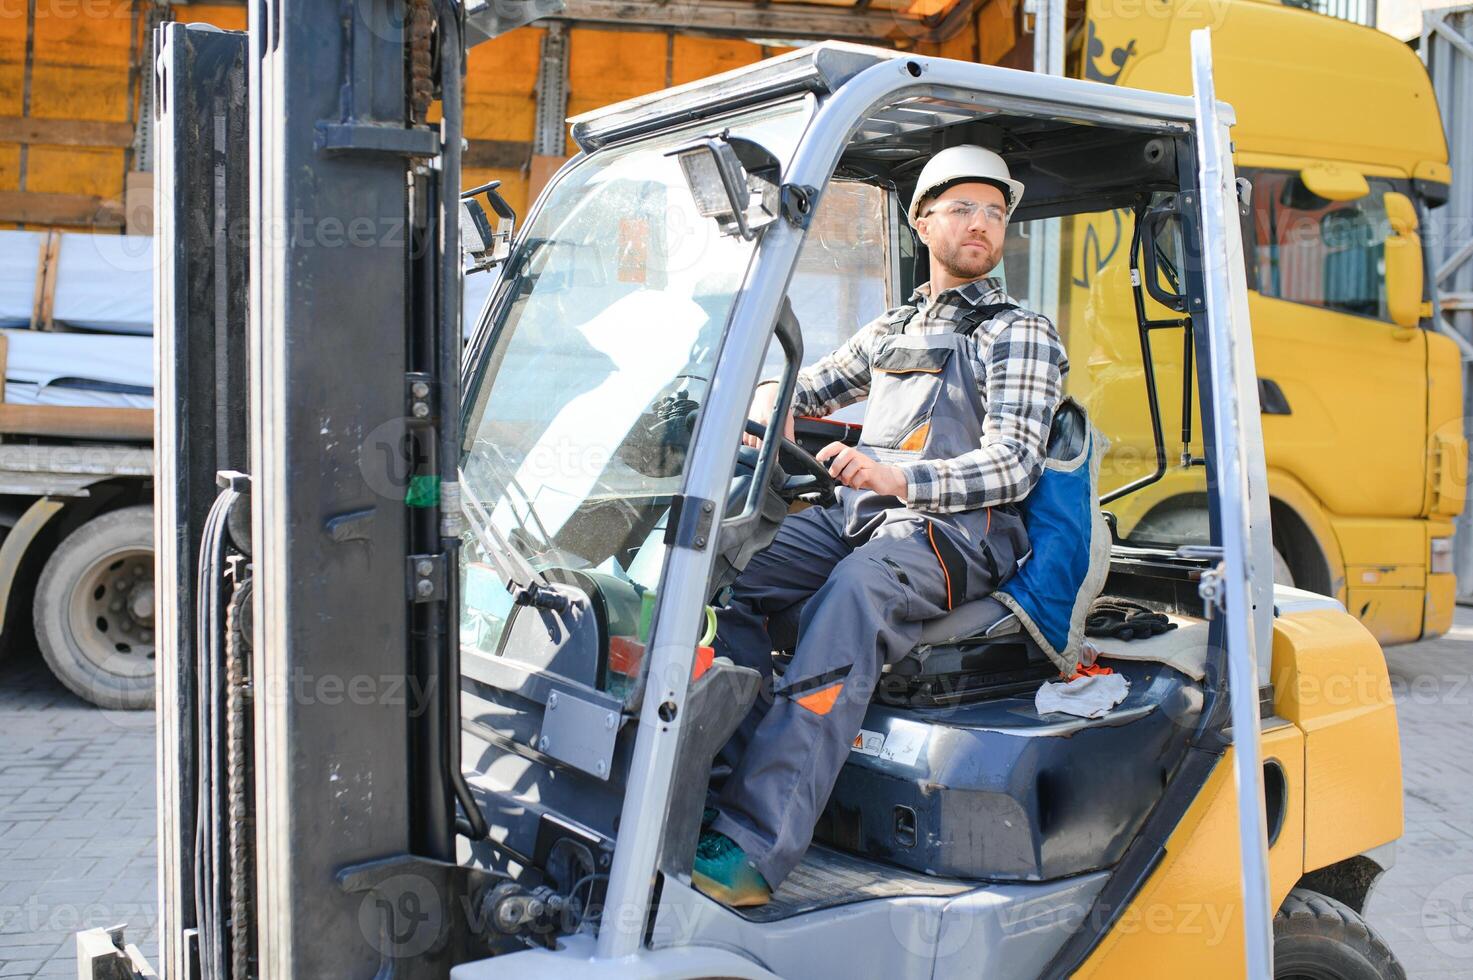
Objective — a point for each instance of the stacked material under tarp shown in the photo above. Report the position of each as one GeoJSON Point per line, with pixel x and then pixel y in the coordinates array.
{"type": "Point", "coordinates": [104, 283]}
{"type": "Point", "coordinates": [55, 281]}
{"type": "Point", "coordinates": [76, 344]}
{"type": "Point", "coordinates": [102, 370]}
{"type": "Point", "coordinates": [76, 315]}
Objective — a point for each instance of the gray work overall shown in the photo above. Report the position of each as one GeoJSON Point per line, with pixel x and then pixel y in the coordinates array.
{"type": "Point", "coordinates": [865, 572]}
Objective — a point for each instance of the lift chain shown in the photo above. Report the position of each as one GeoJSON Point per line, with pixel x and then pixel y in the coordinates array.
{"type": "Point", "coordinates": [421, 85]}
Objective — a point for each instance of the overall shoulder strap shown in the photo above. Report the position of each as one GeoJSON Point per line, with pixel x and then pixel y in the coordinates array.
{"type": "Point", "coordinates": [979, 315]}
{"type": "Point", "coordinates": [896, 319]}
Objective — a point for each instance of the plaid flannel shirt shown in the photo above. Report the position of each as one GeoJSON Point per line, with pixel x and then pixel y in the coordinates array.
{"type": "Point", "coordinates": [1019, 364]}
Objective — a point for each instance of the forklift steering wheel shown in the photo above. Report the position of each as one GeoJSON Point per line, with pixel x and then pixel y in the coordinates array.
{"type": "Point", "coordinates": [806, 475]}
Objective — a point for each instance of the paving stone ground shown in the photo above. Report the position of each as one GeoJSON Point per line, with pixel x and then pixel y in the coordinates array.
{"type": "Point", "coordinates": [1423, 907]}
{"type": "Point", "coordinates": [77, 817]}
{"type": "Point", "coordinates": [76, 822]}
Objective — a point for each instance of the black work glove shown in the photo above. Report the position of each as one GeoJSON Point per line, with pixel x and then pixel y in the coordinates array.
{"type": "Point", "coordinates": [1122, 619]}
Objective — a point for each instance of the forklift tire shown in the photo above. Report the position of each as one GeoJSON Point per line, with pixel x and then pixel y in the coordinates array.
{"type": "Point", "coordinates": [94, 610]}
{"type": "Point", "coordinates": [1318, 938]}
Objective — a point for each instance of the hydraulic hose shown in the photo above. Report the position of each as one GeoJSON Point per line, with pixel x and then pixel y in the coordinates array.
{"type": "Point", "coordinates": [473, 824]}
{"type": "Point", "coordinates": [211, 863]}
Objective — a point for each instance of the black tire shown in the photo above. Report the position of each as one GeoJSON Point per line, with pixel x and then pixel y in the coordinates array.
{"type": "Point", "coordinates": [1318, 938]}
{"type": "Point", "coordinates": [89, 610]}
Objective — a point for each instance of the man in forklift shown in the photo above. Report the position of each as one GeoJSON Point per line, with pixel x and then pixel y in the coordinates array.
{"type": "Point", "coordinates": [962, 386]}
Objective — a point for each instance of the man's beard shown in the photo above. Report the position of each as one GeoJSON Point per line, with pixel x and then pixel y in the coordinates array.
{"type": "Point", "coordinates": [963, 263]}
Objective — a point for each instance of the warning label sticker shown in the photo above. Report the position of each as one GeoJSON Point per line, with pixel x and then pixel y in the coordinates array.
{"type": "Point", "coordinates": [868, 742]}
{"type": "Point", "coordinates": [902, 745]}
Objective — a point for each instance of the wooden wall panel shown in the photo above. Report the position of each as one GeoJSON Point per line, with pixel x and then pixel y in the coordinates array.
{"type": "Point", "coordinates": [996, 31]}
{"type": "Point", "coordinates": [80, 69]}
{"type": "Point", "coordinates": [699, 57]}
{"type": "Point", "coordinates": [230, 17]}
{"type": "Point", "coordinates": [610, 66]}
{"type": "Point", "coordinates": [9, 166]}
{"type": "Point", "coordinates": [83, 50]}
{"type": "Point", "coordinates": [9, 175]}
{"type": "Point", "coordinates": [81, 61]}
{"type": "Point", "coordinates": [962, 45]}
{"type": "Point", "coordinates": [76, 170]}
{"type": "Point", "coordinates": [12, 61]}
{"type": "Point", "coordinates": [500, 76]}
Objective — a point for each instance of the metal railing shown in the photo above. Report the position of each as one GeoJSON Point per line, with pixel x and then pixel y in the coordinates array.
{"type": "Point", "coordinates": [1355, 11]}
{"type": "Point", "coordinates": [1447, 49]}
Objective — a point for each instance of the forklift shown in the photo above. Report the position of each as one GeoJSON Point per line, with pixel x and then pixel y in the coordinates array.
{"type": "Point", "coordinates": [437, 696]}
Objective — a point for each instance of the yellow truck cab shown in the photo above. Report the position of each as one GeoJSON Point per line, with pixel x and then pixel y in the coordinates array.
{"type": "Point", "coordinates": [1338, 133]}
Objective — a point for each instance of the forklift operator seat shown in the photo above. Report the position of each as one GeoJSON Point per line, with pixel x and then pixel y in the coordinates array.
{"type": "Point", "coordinates": [977, 651]}
{"type": "Point", "coordinates": [981, 649]}
{"type": "Point", "coordinates": [984, 618]}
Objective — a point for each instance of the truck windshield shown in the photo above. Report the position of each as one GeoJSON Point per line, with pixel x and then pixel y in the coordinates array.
{"type": "Point", "coordinates": [602, 345]}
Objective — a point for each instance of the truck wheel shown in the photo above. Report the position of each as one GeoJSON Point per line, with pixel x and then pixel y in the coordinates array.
{"type": "Point", "coordinates": [94, 610]}
{"type": "Point", "coordinates": [1318, 938]}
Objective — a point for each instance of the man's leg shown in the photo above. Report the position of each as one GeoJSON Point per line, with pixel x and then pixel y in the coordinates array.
{"type": "Point", "coordinates": [805, 550]}
{"type": "Point", "coordinates": [869, 612]}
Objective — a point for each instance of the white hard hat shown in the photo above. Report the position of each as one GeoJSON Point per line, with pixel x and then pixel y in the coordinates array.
{"type": "Point", "coordinates": [958, 165]}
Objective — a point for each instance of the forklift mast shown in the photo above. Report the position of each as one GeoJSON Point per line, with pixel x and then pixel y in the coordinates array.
{"type": "Point", "coordinates": [308, 512]}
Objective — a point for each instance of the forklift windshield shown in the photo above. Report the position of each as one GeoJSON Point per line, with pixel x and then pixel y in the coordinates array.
{"type": "Point", "coordinates": [606, 329]}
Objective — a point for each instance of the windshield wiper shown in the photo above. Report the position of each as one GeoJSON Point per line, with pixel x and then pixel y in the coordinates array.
{"type": "Point", "coordinates": [525, 584]}
{"type": "Point", "coordinates": [511, 480]}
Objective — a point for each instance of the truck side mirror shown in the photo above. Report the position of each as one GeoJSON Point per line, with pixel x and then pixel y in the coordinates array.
{"type": "Point", "coordinates": [482, 243]}
{"type": "Point", "coordinates": [1334, 181]}
{"type": "Point", "coordinates": [1404, 266]}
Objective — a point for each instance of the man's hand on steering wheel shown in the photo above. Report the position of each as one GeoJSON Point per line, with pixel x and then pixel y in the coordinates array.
{"type": "Point", "coordinates": [849, 466]}
{"type": "Point", "coordinates": [763, 401]}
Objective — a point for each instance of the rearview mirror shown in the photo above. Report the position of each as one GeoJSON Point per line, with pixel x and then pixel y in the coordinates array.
{"type": "Point", "coordinates": [1162, 254]}
{"type": "Point", "coordinates": [1404, 268]}
{"type": "Point", "coordinates": [482, 243]}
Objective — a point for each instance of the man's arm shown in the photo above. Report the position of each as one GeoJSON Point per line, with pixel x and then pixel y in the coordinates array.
{"type": "Point", "coordinates": [1025, 383]}
{"type": "Point", "coordinates": [839, 378]}
{"type": "Point", "coordinates": [835, 380]}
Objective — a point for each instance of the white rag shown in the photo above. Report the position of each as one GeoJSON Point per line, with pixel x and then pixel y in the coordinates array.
{"type": "Point", "coordinates": [1090, 696]}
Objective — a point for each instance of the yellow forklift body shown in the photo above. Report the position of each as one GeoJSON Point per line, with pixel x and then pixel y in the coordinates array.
{"type": "Point", "coordinates": [1333, 737]}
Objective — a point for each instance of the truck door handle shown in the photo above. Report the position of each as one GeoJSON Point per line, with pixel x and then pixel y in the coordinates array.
{"type": "Point", "coordinates": [1271, 400]}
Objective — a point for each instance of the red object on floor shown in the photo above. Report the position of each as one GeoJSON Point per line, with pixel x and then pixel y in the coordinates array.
{"type": "Point", "coordinates": [1090, 670]}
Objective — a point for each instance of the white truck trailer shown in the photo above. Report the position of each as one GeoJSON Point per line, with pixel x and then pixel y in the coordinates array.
{"type": "Point", "coordinates": [76, 460]}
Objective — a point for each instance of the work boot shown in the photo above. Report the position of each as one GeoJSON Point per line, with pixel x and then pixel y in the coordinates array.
{"type": "Point", "coordinates": [723, 872]}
